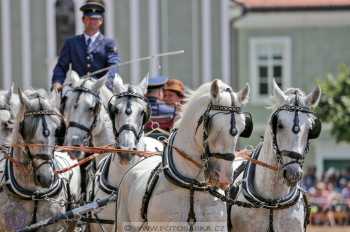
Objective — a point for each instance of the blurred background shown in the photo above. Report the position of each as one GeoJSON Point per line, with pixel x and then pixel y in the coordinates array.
{"type": "Point", "coordinates": [299, 43]}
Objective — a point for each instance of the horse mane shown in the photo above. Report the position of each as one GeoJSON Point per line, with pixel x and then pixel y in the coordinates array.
{"type": "Point", "coordinates": [197, 101]}
{"type": "Point", "coordinates": [195, 98]}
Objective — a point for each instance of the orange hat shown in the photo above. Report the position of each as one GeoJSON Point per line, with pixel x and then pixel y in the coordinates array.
{"type": "Point", "coordinates": [176, 86]}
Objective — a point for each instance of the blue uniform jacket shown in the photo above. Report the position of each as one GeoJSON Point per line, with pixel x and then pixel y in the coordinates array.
{"type": "Point", "coordinates": [102, 53]}
{"type": "Point", "coordinates": [160, 108]}
{"type": "Point", "coordinates": [161, 113]}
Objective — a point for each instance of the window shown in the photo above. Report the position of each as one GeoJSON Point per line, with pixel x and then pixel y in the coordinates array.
{"type": "Point", "coordinates": [65, 22]}
{"type": "Point", "coordinates": [269, 59]}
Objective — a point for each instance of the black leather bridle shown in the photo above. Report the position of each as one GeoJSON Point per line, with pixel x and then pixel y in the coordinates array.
{"type": "Point", "coordinates": [40, 115]}
{"type": "Point", "coordinates": [78, 125]}
{"type": "Point", "coordinates": [314, 132]}
{"type": "Point", "coordinates": [112, 111]}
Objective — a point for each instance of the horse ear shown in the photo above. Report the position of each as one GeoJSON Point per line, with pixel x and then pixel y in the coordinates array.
{"type": "Point", "coordinates": [9, 94]}
{"type": "Point", "coordinates": [99, 83]}
{"type": "Point", "coordinates": [214, 89]}
{"type": "Point", "coordinates": [24, 99]}
{"type": "Point", "coordinates": [55, 99]}
{"type": "Point", "coordinates": [243, 95]}
{"type": "Point", "coordinates": [144, 83]}
{"type": "Point", "coordinates": [278, 94]}
{"type": "Point", "coordinates": [72, 78]}
{"type": "Point", "coordinates": [118, 85]}
{"type": "Point", "coordinates": [313, 98]}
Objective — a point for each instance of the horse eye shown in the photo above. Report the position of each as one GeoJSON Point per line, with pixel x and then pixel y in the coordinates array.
{"type": "Point", "coordinates": [91, 108]}
{"type": "Point", "coordinates": [280, 126]}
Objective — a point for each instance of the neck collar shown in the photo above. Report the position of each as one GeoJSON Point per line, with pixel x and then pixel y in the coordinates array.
{"type": "Point", "coordinates": [250, 194]}
{"type": "Point", "coordinates": [173, 175]}
{"type": "Point", "coordinates": [26, 194]}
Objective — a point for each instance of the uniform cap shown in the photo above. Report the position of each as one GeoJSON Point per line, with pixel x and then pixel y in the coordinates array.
{"type": "Point", "coordinates": [93, 8]}
{"type": "Point", "coordinates": [157, 81]}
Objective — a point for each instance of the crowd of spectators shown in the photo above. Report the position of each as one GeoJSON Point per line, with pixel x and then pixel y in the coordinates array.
{"type": "Point", "coordinates": [329, 196]}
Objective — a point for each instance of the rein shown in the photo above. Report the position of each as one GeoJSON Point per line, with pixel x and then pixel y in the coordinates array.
{"type": "Point", "coordinates": [244, 154]}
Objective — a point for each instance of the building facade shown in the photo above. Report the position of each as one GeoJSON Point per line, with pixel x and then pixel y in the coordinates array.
{"type": "Point", "coordinates": [296, 43]}
{"type": "Point", "coordinates": [32, 32]}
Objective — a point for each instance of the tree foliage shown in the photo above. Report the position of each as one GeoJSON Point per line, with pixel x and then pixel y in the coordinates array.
{"type": "Point", "coordinates": [334, 107]}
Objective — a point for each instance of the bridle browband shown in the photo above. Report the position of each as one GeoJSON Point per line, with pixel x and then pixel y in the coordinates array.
{"type": "Point", "coordinates": [129, 94]}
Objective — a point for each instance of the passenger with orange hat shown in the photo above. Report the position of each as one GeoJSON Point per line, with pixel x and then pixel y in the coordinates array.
{"type": "Point", "coordinates": [174, 92]}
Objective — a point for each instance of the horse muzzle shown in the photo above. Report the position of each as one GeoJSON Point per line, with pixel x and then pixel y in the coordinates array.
{"type": "Point", "coordinates": [292, 173]}
{"type": "Point", "coordinates": [45, 180]}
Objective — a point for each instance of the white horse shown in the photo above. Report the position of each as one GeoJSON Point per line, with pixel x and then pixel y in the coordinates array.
{"type": "Point", "coordinates": [33, 191]}
{"type": "Point", "coordinates": [82, 107]}
{"type": "Point", "coordinates": [9, 106]}
{"type": "Point", "coordinates": [277, 201]}
{"type": "Point", "coordinates": [178, 187]}
{"type": "Point", "coordinates": [129, 112]}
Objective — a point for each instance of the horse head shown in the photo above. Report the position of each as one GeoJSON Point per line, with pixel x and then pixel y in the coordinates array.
{"type": "Point", "coordinates": [129, 112]}
{"type": "Point", "coordinates": [82, 109]}
{"type": "Point", "coordinates": [9, 104]}
{"type": "Point", "coordinates": [38, 124]}
{"type": "Point", "coordinates": [293, 124]}
{"type": "Point", "coordinates": [214, 113]}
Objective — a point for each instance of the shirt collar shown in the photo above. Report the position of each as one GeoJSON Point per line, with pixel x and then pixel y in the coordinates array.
{"type": "Point", "coordinates": [93, 37]}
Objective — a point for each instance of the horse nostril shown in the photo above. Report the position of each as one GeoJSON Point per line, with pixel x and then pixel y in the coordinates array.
{"type": "Point", "coordinates": [284, 173]}
{"type": "Point", "coordinates": [128, 111]}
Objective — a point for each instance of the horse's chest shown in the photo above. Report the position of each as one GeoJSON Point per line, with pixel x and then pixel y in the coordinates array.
{"type": "Point", "coordinates": [14, 214]}
{"type": "Point", "coordinates": [175, 206]}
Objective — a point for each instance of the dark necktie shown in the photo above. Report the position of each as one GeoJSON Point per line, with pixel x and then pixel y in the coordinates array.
{"type": "Point", "coordinates": [88, 42]}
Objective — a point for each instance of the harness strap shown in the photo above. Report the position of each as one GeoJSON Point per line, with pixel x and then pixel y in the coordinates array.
{"type": "Point", "coordinates": [78, 125]}
{"type": "Point", "coordinates": [102, 177]}
{"type": "Point", "coordinates": [307, 210]}
{"type": "Point", "coordinates": [97, 220]}
{"type": "Point", "coordinates": [229, 222]}
{"type": "Point", "coordinates": [35, 210]}
{"type": "Point", "coordinates": [191, 219]}
{"type": "Point", "coordinates": [232, 192]}
{"type": "Point", "coordinates": [151, 183]}
{"type": "Point", "coordinates": [271, 221]}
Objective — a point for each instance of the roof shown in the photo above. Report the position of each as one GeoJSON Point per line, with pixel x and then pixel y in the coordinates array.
{"type": "Point", "coordinates": [264, 5]}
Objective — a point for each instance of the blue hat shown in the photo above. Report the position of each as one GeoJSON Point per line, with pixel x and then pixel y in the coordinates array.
{"type": "Point", "coordinates": [93, 8]}
{"type": "Point", "coordinates": [157, 81]}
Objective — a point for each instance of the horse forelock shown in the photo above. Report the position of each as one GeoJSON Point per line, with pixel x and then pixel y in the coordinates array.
{"type": "Point", "coordinates": [295, 96]}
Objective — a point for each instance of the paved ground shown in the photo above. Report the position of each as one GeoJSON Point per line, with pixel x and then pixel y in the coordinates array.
{"type": "Point", "coordinates": [328, 229]}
